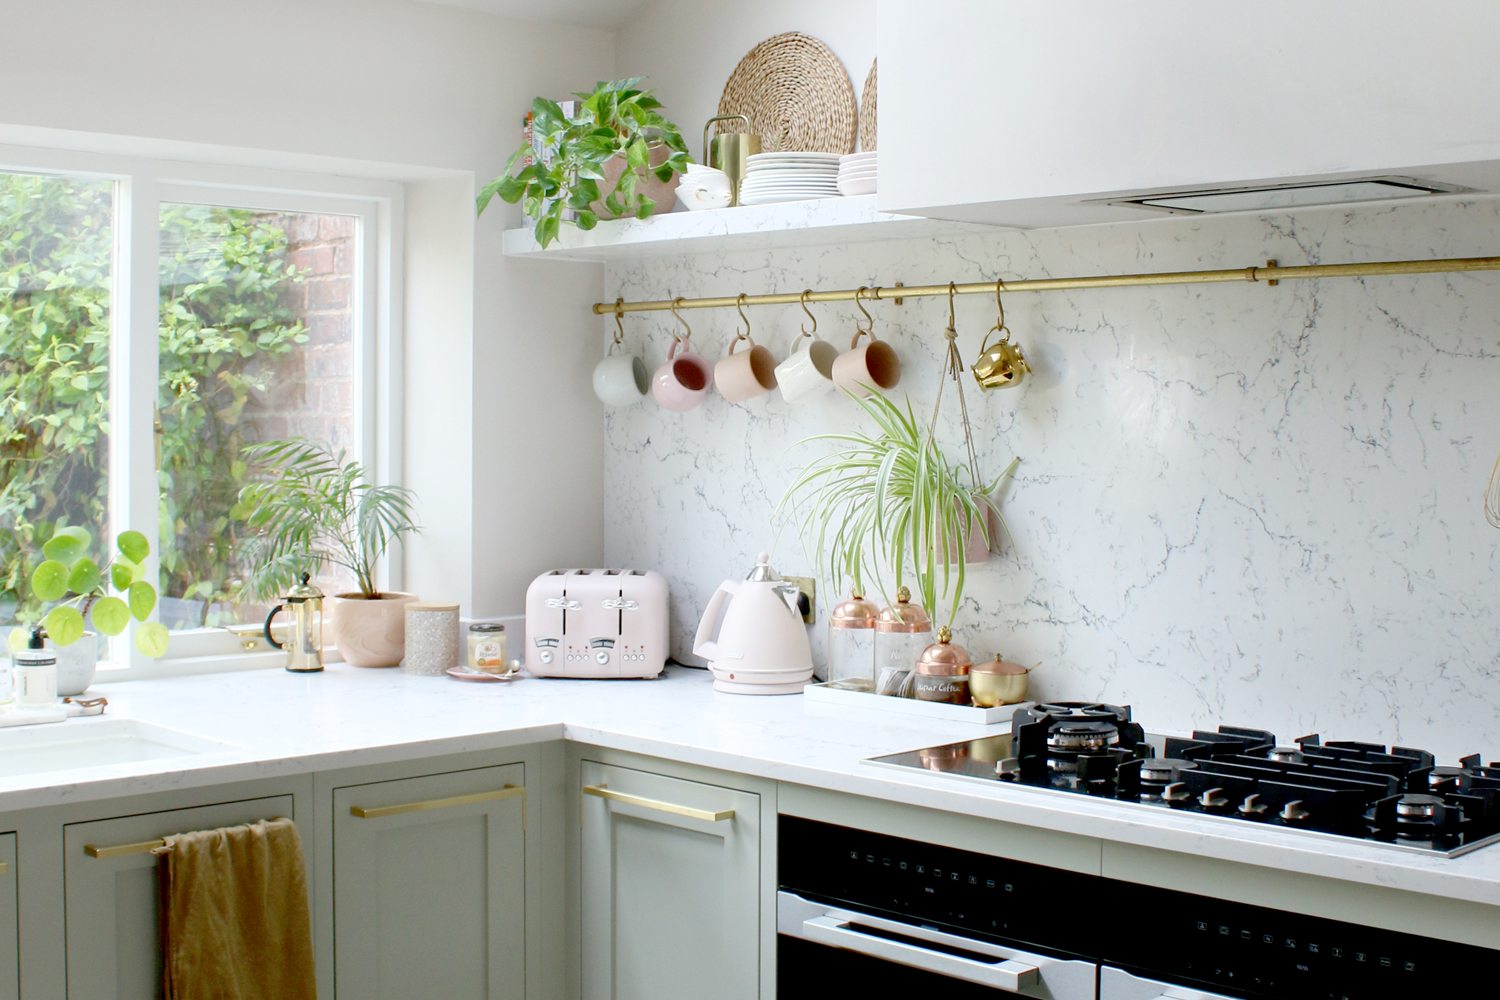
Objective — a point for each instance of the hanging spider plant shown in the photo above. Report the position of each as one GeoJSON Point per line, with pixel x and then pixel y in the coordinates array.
{"type": "Point", "coordinates": [892, 500]}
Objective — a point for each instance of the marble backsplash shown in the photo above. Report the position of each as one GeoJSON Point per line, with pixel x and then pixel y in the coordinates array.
{"type": "Point", "coordinates": [1236, 503]}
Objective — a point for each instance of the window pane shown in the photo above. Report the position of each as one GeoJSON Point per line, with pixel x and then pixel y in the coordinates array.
{"type": "Point", "coordinates": [56, 249]}
{"type": "Point", "coordinates": [256, 343]}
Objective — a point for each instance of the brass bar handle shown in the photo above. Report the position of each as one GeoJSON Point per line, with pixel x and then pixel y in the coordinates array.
{"type": "Point", "coordinates": [4, 867]}
{"type": "Point", "coordinates": [508, 792]}
{"type": "Point", "coordinates": [139, 847]}
{"type": "Point", "coordinates": [120, 850]}
{"type": "Point", "coordinates": [707, 815]}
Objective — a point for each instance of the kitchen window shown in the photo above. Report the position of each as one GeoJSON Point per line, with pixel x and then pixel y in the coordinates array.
{"type": "Point", "coordinates": [157, 319]}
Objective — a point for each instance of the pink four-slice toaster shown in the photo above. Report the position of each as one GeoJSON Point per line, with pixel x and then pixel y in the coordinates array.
{"type": "Point", "coordinates": [596, 623]}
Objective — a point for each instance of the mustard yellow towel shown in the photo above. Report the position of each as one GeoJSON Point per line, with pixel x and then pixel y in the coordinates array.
{"type": "Point", "coordinates": [235, 923]}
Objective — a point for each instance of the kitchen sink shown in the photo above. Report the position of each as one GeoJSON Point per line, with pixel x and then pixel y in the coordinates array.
{"type": "Point", "coordinates": [62, 746]}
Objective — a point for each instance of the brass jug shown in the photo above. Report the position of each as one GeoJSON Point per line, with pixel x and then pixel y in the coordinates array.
{"type": "Point", "coordinates": [730, 152]}
{"type": "Point", "coordinates": [304, 648]}
{"type": "Point", "coordinates": [1001, 366]}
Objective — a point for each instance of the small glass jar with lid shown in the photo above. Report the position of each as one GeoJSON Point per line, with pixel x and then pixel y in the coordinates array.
{"type": "Point", "coordinates": [902, 631]}
{"type": "Point", "coordinates": [942, 671]}
{"type": "Point", "coordinates": [851, 639]}
{"type": "Point", "coordinates": [487, 647]}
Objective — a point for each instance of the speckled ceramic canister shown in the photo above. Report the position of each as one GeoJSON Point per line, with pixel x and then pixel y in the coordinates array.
{"type": "Point", "coordinates": [432, 638]}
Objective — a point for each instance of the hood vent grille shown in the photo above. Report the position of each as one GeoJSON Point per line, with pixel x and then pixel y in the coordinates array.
{"type": "Point", "coordinates": [1281, 197]}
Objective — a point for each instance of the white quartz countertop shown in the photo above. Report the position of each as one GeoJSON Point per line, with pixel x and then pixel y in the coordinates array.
{"type": "Point", "coordinates": [280, 723]}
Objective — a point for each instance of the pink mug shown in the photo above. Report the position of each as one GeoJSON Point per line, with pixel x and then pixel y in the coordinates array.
{"type": "Point", "coordinates": [684, 381]}
{"type": "Point", "coordinates": [860, 369]}
{"type": "Point", "coordinates": [746, 375]}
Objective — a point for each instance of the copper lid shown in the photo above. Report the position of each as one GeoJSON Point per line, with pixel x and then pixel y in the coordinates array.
{"type": "Point", "coordinates": [856, 612]}
{"type": "Point", "coordinates": [944, 658]}
{"type": "Point", "coordinates": [1000, 667]}
{"type": "Point", "coordinates": [903, 616]}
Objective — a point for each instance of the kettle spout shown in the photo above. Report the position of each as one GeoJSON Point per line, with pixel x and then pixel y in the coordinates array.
{"type": "Point", "coordinates": [791, 596]}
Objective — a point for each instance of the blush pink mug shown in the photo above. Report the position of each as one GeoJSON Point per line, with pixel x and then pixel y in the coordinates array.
{"type": "Point", "coordinates": [747, 374]}
{"type": "Point", "coordinates": [865, 367]}
{"type": "Point", "coordinates": [683, 382]}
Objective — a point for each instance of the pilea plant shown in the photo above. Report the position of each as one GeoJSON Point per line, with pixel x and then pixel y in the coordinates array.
{"type": "Point", "coordinates": [617, 119]}
{"type": "Point", "coordinates": [70, 576]}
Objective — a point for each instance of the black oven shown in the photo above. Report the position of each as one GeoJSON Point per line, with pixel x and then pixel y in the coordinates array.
{"type": "Point", "coordinates": [883, 915]}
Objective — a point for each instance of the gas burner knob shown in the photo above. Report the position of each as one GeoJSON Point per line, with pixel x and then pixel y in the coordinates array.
{"type": "Point", "coordinates": [1294, 813]}
{"type": "Point", "coordinates": [1008, 769]}
{"type": "Point", "coordinates": [1214, 800]}
{"type": "Point", "coordinates": [1254, 807]}
{"type": "Point", "coordinates": [1177, 795]}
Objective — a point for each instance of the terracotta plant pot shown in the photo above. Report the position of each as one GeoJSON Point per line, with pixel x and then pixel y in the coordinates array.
{"type": "Point", "coordinates": [664, 193]}
{"type": "Point", "coordinates": [372, 633]}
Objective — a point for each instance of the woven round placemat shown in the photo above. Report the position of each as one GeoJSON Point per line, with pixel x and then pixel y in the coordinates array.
{"type": "Point", "coordinates": [867, 112]}
{"type": "Point", "coordinates": [796, 94]}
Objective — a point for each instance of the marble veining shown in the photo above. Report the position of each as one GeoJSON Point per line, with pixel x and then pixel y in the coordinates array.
{"type": "Point", "coordinates": [1236, 503]}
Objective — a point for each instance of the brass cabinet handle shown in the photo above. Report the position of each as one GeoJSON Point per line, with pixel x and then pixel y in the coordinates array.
{"type": "Point", "coordinates": [707, 815]}
{"type": "Point", "coordinates": [4, 867]}
{"type": "Point", "coordinates": [509, 791]}
{"type": "Point", "coordinates": [120, 850]}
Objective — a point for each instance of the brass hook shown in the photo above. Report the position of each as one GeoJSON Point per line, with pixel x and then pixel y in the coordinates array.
{"type": "Point", "coordinates": [999, 326]}
{"type": "Point", "coordinates": [739, 306]}
{"type": "Point", "coordinates": [689, 330]}
{"type": "Point", "coordinates": [619, 323]}
{"type": "Point", "coordinates": [858, 294]}
{"type": "Point", "coordinates": [814, 331]}
{"type": "Point", "coordinates": [952, 289]}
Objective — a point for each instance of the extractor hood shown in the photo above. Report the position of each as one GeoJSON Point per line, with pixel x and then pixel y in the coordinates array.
{"type": "Point", "coordinates": [1280, 197]}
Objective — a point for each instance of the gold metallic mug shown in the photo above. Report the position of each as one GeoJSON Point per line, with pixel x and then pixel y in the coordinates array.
{"type": "Point", "coordinates": [731, 152]}
{"type": "Point", "coordinates": [1001, 366]}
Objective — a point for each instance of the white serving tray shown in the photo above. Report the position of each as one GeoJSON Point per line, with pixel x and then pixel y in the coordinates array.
{"type": "Point", "coordinates": [851, 695]}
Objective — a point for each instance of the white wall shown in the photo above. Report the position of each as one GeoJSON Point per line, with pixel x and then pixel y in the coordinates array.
{"type": "Point", "coordinates": [687, 49]}
{"type": "Point", "coordinates": [408, 91]}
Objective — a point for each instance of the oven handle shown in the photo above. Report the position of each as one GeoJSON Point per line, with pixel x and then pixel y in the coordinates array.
{"type": "Point", "coordinates": [1006, 974]}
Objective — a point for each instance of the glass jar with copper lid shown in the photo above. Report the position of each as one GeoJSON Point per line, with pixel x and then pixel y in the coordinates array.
{"type": "Point", "coordinates": [942, 671]}
{"type": "Point", "coordinates": [902, 631]}
{"type": "Point", "coordinates": [851, 639]}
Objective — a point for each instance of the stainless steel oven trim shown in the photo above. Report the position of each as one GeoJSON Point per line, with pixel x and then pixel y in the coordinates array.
{"type": "Point", "coordinates": [1117, 984]}
{"type": "Point", "coordinates": [1022, 972]}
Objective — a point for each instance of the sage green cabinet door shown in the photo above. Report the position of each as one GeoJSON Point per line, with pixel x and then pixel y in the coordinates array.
{"type": "Point", "coordinates": [429, 887]}
{"type": "Point", "coordinates": [10, 955]}
{"type": "Point", "coordinates": [670, 887]}
{"type": "Point", "coordinates": [113, 946]}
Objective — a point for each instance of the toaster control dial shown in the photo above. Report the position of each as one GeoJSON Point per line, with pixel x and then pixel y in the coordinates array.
{"type": "Point", "coordinates": [545, 656]}
{"type": "Point", "coordinates": [601, 657]}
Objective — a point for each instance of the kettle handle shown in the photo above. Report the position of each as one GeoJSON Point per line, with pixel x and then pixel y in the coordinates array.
{"type": "Point", "coordinates": [702, 646]}
{"type": "Point", "coordinates": [269, 638]}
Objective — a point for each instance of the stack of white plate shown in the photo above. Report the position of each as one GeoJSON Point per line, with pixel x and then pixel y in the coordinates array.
{"type": "Point", "coordinates": [776, 177]}
{"type": "Point", "coordinates": [857, 174]}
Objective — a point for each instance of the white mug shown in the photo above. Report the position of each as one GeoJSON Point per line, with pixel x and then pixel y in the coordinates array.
{"type": "Point", "coordinates": [621, 380]}
{"type": "Point", "coordinates": [808, 370]}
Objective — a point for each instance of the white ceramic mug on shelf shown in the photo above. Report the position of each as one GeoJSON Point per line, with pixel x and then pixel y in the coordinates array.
{"type": "Point", "coordinates": [808, 370]}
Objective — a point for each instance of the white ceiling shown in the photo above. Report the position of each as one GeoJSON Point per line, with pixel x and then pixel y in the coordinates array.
{"type": "Point", "coordinates": [604, 14]}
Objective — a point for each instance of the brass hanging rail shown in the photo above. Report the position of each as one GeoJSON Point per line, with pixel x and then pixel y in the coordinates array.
{"type": "Point", "coordinates": [1271, 274]}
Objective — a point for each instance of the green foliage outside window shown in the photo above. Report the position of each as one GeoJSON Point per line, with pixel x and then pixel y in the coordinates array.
{"type": "Point", "coordinates": [224, 279]}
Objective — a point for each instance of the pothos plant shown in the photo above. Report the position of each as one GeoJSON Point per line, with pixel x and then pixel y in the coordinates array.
{"type": "Point", "coordinates": [892, 499]}
{"type": "Point", "coordinates": [70, 576]}
{"type": "Point", "coordinates": [617, 119]}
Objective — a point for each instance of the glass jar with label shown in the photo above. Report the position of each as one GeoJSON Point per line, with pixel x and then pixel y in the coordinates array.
{"type": "Point", "coordinates": [902, 631]}
{"type": "Point", "coordinates": [487, 647]}
{"type": "Point", "coordinates": [942, 671]}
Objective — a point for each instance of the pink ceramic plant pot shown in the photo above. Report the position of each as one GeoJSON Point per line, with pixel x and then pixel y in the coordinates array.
{"type": "Point", "coordinates": [371, 632]}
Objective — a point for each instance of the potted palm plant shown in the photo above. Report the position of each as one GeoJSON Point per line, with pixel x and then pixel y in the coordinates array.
{"type": "Point", "coordinates": [315, 508]}
{"type": "Point", "coordinates": [892, 501]}
{"type": "Point", "coordinates": [618, 141]}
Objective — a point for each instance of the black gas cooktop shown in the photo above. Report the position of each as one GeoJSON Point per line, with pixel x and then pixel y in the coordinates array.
{"type": "Point", "coordinates": [1367, 791]}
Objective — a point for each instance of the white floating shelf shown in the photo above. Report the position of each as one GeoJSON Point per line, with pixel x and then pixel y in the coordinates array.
{"type": "Point", "coordinates": [792, 224]}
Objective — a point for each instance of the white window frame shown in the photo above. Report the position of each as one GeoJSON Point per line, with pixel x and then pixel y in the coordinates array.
{"type": "Point", "coordinates": [142, 185]}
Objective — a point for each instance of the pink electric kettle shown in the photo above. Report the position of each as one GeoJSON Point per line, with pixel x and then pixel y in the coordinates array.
{"type": "Point", "coordinates": [762, 646]}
